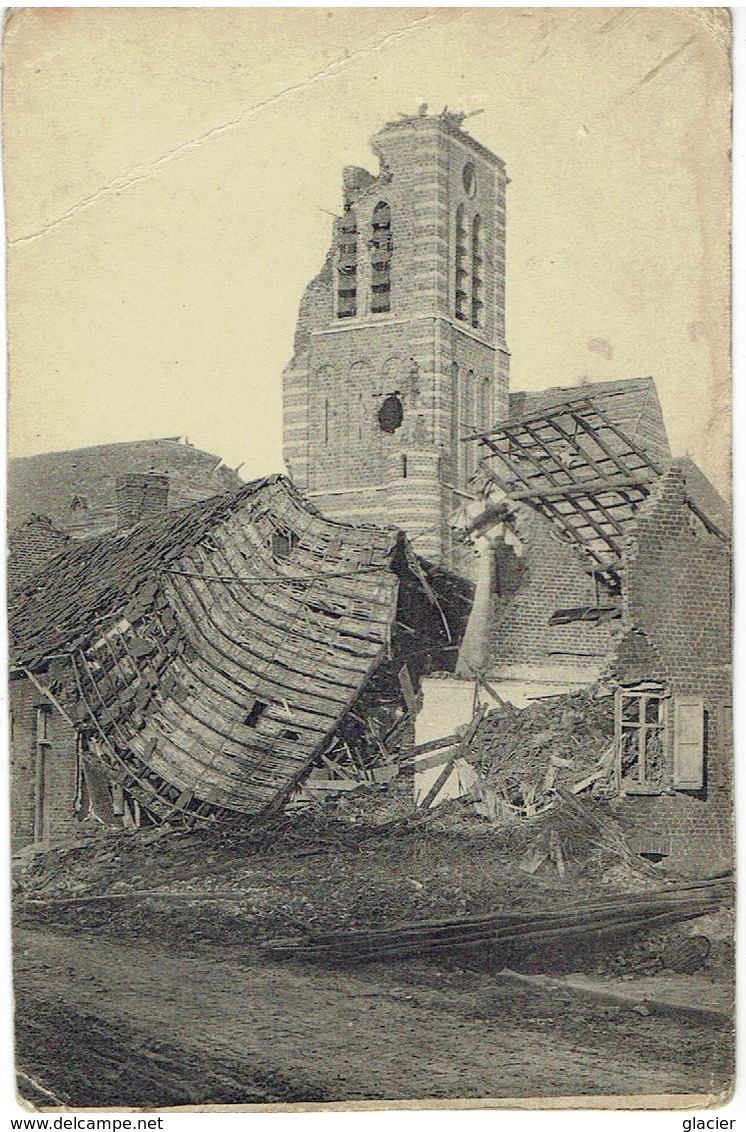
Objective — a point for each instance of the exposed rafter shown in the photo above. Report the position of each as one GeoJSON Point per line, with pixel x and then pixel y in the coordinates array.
{"type": "Point", "coordinates": [580, 469]}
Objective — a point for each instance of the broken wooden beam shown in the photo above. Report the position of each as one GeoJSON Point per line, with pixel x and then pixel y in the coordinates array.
{"type": "Point", "coordinates": [621, 913]}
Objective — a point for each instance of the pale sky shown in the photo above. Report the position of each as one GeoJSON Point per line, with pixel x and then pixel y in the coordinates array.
{"type": "Point", "coordinates": [169, 175]}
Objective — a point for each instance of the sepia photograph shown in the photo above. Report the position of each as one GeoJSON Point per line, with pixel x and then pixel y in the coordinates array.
{"type": "Point", "coordinates": [369, 557]}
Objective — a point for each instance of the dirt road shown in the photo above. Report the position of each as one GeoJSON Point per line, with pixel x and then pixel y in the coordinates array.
{"type": "Point", "coordinates": [101, 1023]}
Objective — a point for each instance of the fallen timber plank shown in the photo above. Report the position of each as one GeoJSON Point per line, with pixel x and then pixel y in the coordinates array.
{"type": "Point", "coordinates": [432, 745]}
{"type": "Point", "coordinates": [333, 785]}
{"type": "Point", "coordinates": [524, 922]}
{"type": "Point", "coordinates": [424, 928]}
{"type": "Point", "coordinates": [454, 755]}
{"type": "Point", "coordinates": [527, 938]}
{"type": "Point", "coordinates": [618, 912]}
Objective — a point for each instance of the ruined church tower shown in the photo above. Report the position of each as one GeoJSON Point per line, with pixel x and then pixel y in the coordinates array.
{"type": "Point", "coordinates": [400, 345]}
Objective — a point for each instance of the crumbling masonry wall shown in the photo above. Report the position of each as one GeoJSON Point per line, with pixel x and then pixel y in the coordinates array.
{"type": "Point", "coordinates": [549, 576]}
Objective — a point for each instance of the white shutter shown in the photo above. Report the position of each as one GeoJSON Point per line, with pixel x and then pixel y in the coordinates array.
{"type": "Point", "coordinates": [689, 749]}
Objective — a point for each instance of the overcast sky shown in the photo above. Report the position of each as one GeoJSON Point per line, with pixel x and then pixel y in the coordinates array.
{"type": "Point", "coordinates": [170, 174]}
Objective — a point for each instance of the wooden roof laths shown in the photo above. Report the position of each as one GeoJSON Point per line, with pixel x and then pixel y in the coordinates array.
{"type": "Point", "coordinates": [235, 661]}
{"type": "Point", "coordinates": [578, 467]}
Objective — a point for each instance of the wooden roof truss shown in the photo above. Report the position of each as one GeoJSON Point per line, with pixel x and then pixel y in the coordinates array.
{"type": "Point", "coordinates": [577, 467]}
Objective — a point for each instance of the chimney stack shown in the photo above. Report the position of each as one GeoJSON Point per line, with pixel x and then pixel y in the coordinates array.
{"type": "Point", "coordinates": [140, 497]}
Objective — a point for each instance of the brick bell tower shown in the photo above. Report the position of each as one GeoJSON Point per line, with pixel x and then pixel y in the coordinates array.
{"type": "Point", "coordinates": [400, 344]}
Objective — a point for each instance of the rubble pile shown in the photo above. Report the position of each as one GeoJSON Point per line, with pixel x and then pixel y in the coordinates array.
{"type": "Point", "coordinates": [543, 774]}
{"type": "Point", "coordinates": [526, 753]}
{"type": "Point", "coordinates": [543, 777]}
{"type": "Point", "coordinates": [311, 870]}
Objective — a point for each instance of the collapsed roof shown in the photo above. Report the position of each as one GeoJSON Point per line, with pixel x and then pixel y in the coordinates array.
{"type": "Point", "coordinates": [208, 656]}
{"type": "Point", "coordinates": [586, 458]}
{"type": "Point", "coordinates": [631, 403]}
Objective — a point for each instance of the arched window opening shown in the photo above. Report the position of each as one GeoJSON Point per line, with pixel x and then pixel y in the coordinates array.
{"type": "Point", "coordinates": [462, 268]}
{"type": "Point", "coordinates": [455, 412]}
{"type": "Point", "coordinates": [380, 259]}
{"type": "Point", "coordinates": [477, 262]}
{"type": "Point", "coordinates": [347, 267]}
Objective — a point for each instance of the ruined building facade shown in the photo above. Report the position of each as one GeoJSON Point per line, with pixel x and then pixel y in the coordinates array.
{"type": "Point", "coordinates": [400, 346]}
{"type": "Point", "coordinates": [605, 563]}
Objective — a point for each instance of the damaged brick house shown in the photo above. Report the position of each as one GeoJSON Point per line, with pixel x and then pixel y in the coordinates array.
{"type": "Point", "coordinates": [602, 558]}
{"type": "Point", "coordinates": [400, 354]}
{"type": "Point", "coordinates": [194, 667]}
{"type": "Point", "coordinates": [56, 498]}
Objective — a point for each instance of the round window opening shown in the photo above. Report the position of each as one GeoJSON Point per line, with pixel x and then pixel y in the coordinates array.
{"type": "Point", "coordinates": [391, 413]}
{"type": "Point", "coordinates": [469, 177]}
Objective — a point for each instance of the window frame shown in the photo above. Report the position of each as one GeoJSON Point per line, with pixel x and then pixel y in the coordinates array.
{"type": "Point", "coordinates": [644, 729]}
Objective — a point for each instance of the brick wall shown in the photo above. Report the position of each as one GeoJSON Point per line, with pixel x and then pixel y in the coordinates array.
{"type": "Point", "coordinates": [59, 769]}
{"type": "Point", "coordinates": [700, 833]}
{"type": "Point", "coordinates": [31, 547]}
{"type": "Point", "coordinates": [678, 591]}
{"type": "Point", "coordinates": [549, 576]}
{"type": "Point", "coordinates": [140, 497]}
{"type": "Point", "coordinates": [414, 502]}
{"type": "Point", "coordinates": [678, 616]}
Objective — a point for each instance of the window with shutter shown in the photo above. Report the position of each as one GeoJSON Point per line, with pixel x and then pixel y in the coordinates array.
{"type": "Point", "coordinates": [689, 743]}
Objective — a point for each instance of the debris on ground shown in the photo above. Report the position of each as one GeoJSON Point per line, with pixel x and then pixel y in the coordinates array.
{"type": "Point", "coordinates": [223, 1025]}
{"type": "Point", "coordinates": [350, 860]}
{"type": "Point", "coordinates": [518, 933]}
{"type": "Point", "coordinates": [526, 753]}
